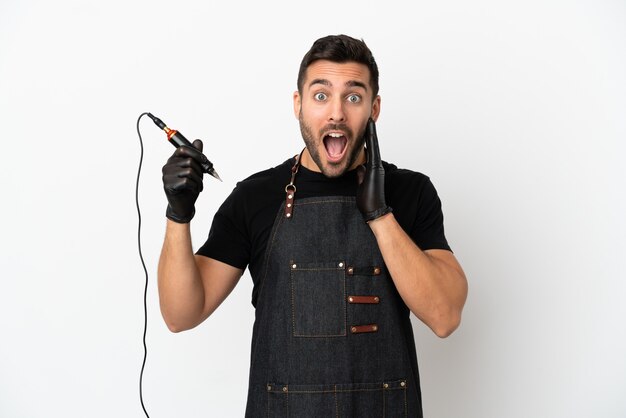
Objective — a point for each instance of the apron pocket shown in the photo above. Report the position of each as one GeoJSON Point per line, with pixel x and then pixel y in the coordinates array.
{"type": "Point", "coordinates": [386, 399]}
{"type": "Point", "coordinates": [318, 299]}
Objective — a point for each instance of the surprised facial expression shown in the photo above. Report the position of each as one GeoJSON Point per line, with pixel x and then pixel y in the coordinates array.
{"type": "Point", "coordinates": [333, 108]}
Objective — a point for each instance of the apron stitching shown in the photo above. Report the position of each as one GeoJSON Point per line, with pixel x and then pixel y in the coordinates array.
{"type": "Point", "coordinates": [405, 406]}
{"type": "Point", "coordinates": [347, 199]}
{"type": "Point", "coordinates": [345, 306]}
{"type": "Point", "coordinates": [384, 406]}
{"type": "Point", "coordinates": [317, 392]}
{"type": "Point", "coordinates": [268, 251]}
{"type": "Point", "coordinates": [293, 306]}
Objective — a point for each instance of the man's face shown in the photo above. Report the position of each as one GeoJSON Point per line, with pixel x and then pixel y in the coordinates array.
{"type": "Point", "coordinates": [333, 110]}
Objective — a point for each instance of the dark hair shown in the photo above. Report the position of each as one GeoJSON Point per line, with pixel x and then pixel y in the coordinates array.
{"type": "Point", "coordinates": [340, 49]}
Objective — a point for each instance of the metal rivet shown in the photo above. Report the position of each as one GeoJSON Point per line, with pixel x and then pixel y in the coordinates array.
{"type": "Point", "coordinates": [385, 385]}
{"type": "Point", "coordinates": [375, 328]}
{"type": "Point", "coordinates": [350, 299]}
{"type": "Point", "coordinates": [288, 215]}
{"type": "Point", "coordinates": [289, 196]}
{"type": "Point", "coordinates": [284, 388]}
{"type": "Point", "coordinates": [340, 264]}
{"type": "Point", "coordinates": [376, 270]}
{"type": "Point", "coordinates": [293, 266]}
{"type": "Point", "coordinates": [288, 205]}
{"type": "Point", "coordinates": [376, 299]}
{"type": "Point", "coordinates": [353, 329]}
{"type": "Point", "coordinates": [403, 384]}
{"type": "Point", "coordinates": [269, 387]}
{"type": "Point", "coordinates": [350, 270]}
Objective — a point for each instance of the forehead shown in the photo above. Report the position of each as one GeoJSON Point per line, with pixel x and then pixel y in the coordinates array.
{"type": "Point", "coordinates": [338, 74]}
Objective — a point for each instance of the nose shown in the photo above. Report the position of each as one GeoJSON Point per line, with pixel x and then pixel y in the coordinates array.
{"type": "Point", "coordinates": [336, 111]}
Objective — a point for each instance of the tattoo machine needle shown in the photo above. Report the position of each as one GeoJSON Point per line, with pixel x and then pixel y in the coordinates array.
{"type": "Point", "coordinates": [177, 139]}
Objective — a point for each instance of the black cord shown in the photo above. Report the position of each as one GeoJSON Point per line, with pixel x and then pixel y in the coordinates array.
{"type": "Point", "coordinates": [145, 291]}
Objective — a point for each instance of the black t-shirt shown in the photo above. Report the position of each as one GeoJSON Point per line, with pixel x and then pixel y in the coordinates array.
{"type": "Point", "coordinates": [242, 225]}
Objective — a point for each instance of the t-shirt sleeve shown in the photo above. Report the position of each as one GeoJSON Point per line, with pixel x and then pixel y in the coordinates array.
{"type": "Point", "coordinates": [227, 241]}
{"type": "Point", "coordinates": [427, 230]}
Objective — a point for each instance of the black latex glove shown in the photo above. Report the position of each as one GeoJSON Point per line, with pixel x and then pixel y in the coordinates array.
{"type": "Point", "coordinates": [370, 195]}
{"type": "Point", "coordinates": [182, 181]}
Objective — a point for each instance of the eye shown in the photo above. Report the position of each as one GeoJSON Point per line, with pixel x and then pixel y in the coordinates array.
{"type": "Point", "coordinates": [354, 98]}
{"type": "Point", "coordinates": [320, 97]}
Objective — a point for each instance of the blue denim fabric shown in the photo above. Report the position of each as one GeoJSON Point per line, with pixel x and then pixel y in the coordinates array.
{"type": "Point", "coordinates": [306, 359]}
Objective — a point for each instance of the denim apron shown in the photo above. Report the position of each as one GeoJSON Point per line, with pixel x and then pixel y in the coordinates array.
{"type": "Point", "coordinates": [332, 337]}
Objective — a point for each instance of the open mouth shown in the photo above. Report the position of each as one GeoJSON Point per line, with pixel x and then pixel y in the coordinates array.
{"type": "Point", "coordinates": [335, 144]}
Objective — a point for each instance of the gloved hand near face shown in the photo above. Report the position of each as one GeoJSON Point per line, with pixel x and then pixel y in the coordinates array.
{"type": "Point", "coordinates": [182, 181]}
{"type": "Point", "coordinates": [370, 195]}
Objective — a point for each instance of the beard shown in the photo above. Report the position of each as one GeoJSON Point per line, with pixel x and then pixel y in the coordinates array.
{"type": "Point", "coordinates": [354, 146]}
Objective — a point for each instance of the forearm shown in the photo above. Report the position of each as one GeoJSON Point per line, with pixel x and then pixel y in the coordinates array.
{"type": "Point", "coordinates": [433, 288]}
{"type": "Point", "coordinates": [181, 292]}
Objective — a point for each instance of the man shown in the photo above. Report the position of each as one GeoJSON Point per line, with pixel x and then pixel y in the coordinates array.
{"type": "Point", "coordinates": [341, 248]}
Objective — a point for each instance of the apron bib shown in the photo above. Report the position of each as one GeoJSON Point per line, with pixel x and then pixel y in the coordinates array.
{"type": "Point", "coordinates": [332, 337]}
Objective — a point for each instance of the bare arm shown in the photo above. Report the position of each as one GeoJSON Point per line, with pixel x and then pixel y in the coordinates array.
{"type": "Point", "coordinates": [431, 283]}
{"type": "Point", "coordinates": [190, 287]}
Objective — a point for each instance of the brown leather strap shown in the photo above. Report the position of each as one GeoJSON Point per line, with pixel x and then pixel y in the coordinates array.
{"type": "Point", "coordinates": [290, 189]}
{"type": "Point", "coordinates": [363, 299]}
{"type": "Point", "coordinates": [358, 329]}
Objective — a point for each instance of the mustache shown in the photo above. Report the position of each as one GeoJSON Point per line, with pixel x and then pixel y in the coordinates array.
{"type": "Point", "coordinates": [336, 127]}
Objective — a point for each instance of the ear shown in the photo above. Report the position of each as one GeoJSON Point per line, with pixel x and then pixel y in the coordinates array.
{"type": "Point", "coordinates": [376, 108]}
{"type": "Point", "coordinates": [297, 104]}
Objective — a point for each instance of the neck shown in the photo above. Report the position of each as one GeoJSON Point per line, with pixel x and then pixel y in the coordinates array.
{"type": "Point", "coordinates": [307, 162]}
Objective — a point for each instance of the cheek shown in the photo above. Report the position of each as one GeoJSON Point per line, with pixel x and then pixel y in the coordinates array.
{"type": "Point", "coordinates": [314, 111]}
{"type": "Point", "coordinates": [364, 112]}
{"type": "Point", "coordinates": [313, 116]}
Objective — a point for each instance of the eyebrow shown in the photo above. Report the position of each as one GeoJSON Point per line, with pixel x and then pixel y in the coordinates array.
{"type": "Point", "coordinates": [327, 83]}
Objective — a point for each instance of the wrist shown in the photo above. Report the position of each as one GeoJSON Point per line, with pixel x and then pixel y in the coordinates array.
{"type": "Point", "coordinates": [176, 232]}
{"type": "Point", "coordinates": [376, 214]}
{"type": "Point", "coordinates": [381, 221]}
{"type": "Point", "coordinates": [172, 216]}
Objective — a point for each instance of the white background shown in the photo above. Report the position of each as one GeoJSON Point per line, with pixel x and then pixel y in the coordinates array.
{"type": "Point", "coordinates": [516, 110]}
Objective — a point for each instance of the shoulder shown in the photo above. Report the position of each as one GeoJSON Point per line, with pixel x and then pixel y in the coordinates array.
{"type": "Point", "coordinates": [270, 174]}
{"type": "Point", "coordinates": [410, 193]}
{"type": "Point", "coordinates": [257, 194]}
{"type": "Point", "coordinates": [404, 180]}
{"type": "Point", "coordinates": [264, 182]}
{"type": "Point", "coordinates": [416, 206]}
